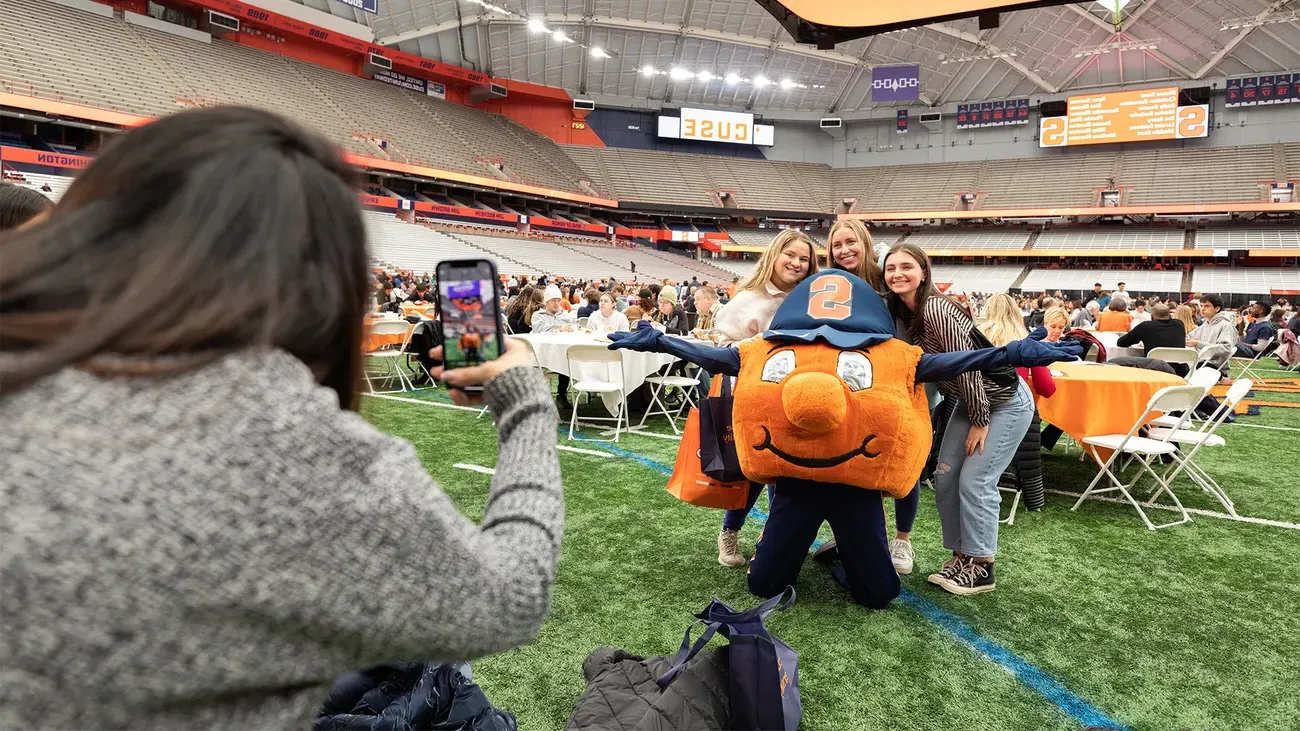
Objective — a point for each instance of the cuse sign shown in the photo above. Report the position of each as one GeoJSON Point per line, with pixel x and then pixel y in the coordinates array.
{"type": "Point", "coordinates": [712, 126]}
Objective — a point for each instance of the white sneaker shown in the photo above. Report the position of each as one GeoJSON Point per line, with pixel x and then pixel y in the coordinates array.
{"type": "Point", "coordinates": [901, 553]}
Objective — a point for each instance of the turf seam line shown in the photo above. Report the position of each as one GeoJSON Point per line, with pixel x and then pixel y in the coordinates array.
{"type": "Point", "coordinates": [592, 452]}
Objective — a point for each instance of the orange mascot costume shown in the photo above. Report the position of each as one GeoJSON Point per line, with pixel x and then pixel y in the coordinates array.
{"type": "Point", "coordinates": [830, 412]}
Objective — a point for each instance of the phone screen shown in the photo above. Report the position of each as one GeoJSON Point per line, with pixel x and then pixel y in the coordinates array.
{"type": "Point", "coordinates": [469, 312]}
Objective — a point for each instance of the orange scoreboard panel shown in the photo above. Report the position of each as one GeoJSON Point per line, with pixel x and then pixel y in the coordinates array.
{"type": "Point", "coordinates": [1124, 116]}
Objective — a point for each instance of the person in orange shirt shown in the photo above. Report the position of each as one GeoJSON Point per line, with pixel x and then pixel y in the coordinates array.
{"type": "Point", "coordinates": [1116, 318]}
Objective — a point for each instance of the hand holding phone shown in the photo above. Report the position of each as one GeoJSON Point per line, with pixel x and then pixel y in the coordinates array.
{"type": "Point", "coordinates": [466, 384]}
{"type": "Point", "coordinates": [469, 311]}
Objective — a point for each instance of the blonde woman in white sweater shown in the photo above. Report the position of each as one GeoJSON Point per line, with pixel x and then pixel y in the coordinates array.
{"type": "Point", "coordinates": [789, 259]}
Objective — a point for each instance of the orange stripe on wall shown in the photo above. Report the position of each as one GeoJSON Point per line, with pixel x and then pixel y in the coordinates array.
{"type": "Point", "coordinates": [64, 109]}
{"type": "Point", "coordinates": [1168, 209]}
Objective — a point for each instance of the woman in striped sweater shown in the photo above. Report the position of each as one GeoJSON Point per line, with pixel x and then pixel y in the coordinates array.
{"type": "Point", "coordinates": [987, 424]}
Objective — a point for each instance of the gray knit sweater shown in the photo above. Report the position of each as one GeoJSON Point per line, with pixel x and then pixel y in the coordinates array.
{"type": "Point", "coordinates": [211, 550]}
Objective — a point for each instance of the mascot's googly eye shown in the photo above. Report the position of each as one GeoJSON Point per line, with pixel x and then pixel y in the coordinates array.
{"type": "Point", "coordinates": [778, 366]}
{"type": "Point", "coordinates": [855, 370]}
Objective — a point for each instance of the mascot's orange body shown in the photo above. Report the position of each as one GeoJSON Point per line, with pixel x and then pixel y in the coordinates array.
{"type": "Point", "coordinates": [852, 417]}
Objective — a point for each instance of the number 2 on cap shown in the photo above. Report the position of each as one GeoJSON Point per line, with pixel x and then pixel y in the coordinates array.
{"type": "Point", "coordinates": [831, 298]}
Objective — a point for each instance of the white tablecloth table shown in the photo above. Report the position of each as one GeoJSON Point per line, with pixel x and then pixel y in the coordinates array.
{"type": "Point", "coordinates": [1114, 351]}
{"type": "Point", "coordinates": [552, 353]}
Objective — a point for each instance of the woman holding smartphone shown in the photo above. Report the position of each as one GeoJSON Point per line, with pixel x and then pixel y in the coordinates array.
{"type": "Point", "coordinates": [788, 260]}
{"type": "Point", "coordinates": [201, 506]}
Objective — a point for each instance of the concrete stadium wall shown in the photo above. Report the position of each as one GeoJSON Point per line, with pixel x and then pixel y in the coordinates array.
{"type": "Point", "coordinates": [870, 143]}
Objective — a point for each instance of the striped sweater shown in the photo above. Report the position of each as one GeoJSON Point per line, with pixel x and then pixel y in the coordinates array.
{"type": "Point", "coordinates": [947, 330]}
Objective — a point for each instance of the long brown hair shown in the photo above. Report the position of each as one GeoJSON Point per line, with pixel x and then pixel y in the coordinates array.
{"type": "Point", "coordinates": [912, 318]}
{"type": "Point", "coordinates": [868, 270]}
{"type": "Point", "coordinates": [192, 237]}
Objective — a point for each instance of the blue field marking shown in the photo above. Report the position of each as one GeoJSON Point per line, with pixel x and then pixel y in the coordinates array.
{"type": "Point", "coordinates": [619, 451]}
{"type": "Point", "coordinates": [1036, 680]}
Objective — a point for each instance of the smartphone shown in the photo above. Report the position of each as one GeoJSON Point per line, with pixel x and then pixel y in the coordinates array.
{"type": "Point", "coordinates": [470, 313]}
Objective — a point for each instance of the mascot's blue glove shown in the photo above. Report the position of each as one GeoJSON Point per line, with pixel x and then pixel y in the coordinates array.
{"type": "Point", "coordinates": [1030, 353]}
{"type": "Point", "coordinates": [711, 358]}
{"type": "Point", "coordinates": [935, 367]}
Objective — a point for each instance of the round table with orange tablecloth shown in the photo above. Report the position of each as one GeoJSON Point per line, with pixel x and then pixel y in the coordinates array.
{"type": "Point", "coordinates": [1092, 400]}
{"type": "Point", "coordinates": [372, 342]}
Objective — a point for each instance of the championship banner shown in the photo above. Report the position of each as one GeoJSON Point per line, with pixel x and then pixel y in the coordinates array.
{"type": "Point", "coordinates": [46, 159]}
{"type": "Point", "coordinates": [902, 121]}
{"type": "Point", "coordinates": [895, 83]}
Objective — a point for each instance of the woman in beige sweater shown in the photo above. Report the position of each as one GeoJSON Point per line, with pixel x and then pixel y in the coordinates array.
{"type": "Point", "coordinates": [789, 259]}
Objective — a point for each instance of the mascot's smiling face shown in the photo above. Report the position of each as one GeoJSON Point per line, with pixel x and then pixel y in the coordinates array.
{"type": "Point", "coordinates": [848, 412]}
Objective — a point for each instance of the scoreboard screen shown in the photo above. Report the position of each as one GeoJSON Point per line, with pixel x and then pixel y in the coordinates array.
{"type": "Point", "coordinates": [1252, 91]}
{"type": "Point", "coordinates": [1142, 115]}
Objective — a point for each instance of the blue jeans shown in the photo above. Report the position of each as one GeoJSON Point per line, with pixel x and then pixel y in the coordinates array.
{"type": "Point", "coordinates": [735, 519]}
{"type": "Point", "coordinates": [966, 488]}
{"type": "Point", "coordinates": [905, 510]}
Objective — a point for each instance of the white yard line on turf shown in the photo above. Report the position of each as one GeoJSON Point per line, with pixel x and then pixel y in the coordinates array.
{"type": "Point", "coordinates": [640, 432]}
{"type": "Point", "coordinates": [422, 402]}
{"type": "Point", "coordinates": [575, 450]}
{"type": "Point", "coordinates": [1193, 511]}
{"type": "Point", "coordinates": [475, 468]}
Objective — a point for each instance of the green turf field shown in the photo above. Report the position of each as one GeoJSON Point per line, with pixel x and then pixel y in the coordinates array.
{"type": "Point", "coordinates": [1095, 619]}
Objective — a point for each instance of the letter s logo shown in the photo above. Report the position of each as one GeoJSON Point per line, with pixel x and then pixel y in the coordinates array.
{"type": "Point", "coordinates": [1193, 121]}
{"type": "Point", "coordinates": [1051, 132]}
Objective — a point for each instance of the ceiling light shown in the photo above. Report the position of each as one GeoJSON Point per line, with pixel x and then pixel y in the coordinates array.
{"type": "Point", "coordinates": [705, 76]}
{"type": "Point", "coordinates": [1113, 5]}
{"type": "Point", "coordinates": [732, 78]}
{"type": "Point", "coordinates": [560, 36]}
{"type": "Point", "coordinates": [787, 84]}
{"type": "Point", "coordinates": [598, 52]}
{"type": "Point", "coordinates": [647, 70]}
{"type": "Point", "coordinates": [1253, 21]}
{"type": "Point", "coordinates": [679, 74]}
{"type": "Point", "coordinates": [536, 25]}
{"type": "Point", "coordinates": [761, 81]}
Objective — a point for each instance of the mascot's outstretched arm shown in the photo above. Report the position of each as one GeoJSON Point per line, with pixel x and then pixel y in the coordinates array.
{"type": "Point", "coordinates": [715, 360]}
{"type": "Point", "coordinates": [1019, 354]}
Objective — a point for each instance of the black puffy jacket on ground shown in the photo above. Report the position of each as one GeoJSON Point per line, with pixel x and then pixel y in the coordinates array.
{"type": "Point", "coordinates": [409, 696]}
{"type": "Point", "coordinates": [623, 694]}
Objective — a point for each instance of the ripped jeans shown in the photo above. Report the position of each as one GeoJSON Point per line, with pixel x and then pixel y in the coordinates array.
{"type": "Point", "coordinates": [966, 488]}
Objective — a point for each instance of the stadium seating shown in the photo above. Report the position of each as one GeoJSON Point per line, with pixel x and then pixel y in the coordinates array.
{"type": "Point", "coordinates": [1050, 280]}
{"type": "Point", "coordinates": [737, 267]}
{"type": "Point", "coordinates": [418, 248]}
{"type": "Point", "coordinates": [139, 70]}
{"type": "Point", "coordinates": [904, 187]}
{"type": "Point", "coordinates": [57, 184]}
{"type": "Point", "coordinates": [1189, 175]}
{"type": "Point", "coordinates": [977, 278]}
{"type": "Point", "coordinates": [1248, 238]}
{"type": "Point", "coordinates": [651, 176]}
{"type": "Point", "coordinates": [1125, 239]}
{"type": "Point", "coordinates": [1037, 182]}
{"type": "Point", "coordinates": [968, 240]}
{"type": "Point", "coordinates": [1252, 280]}
{"type": "Point", "coordinates": [45, 53]}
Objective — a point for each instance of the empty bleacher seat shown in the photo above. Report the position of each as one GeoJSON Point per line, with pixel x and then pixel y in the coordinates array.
{"type": "Point", "coordinates": [1138, 282]}
{"type": "Point", "coordinates": [1249, 238]}
{"type": "Point", "coordinates": [1244, 280]}
{"type": "Point", "coordinates": [935, 241]}
{"type": "Point", "coordinates": [977, 277]}
{"type": "Point", "coordinates": [1107, 239]}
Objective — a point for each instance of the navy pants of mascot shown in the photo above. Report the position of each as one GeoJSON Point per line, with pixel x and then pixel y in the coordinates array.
{"type": "Point", "coordinates": [857, 517]}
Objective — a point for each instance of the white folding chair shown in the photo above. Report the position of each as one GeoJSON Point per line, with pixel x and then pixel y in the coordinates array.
{"type": "Point", "coordinates": [581, 382]}
{"type": "Point", "coordinates": [1015, 504]}
{"type": "Point", "coordinates": [388, 356]}
{"type": "Point", "coordinates": [1215, 354]}
{"type": "Point", "coordinates": [1167, 400]}
{"type": "Point", "coordinates": [1183, 356]}
{"type": "Point", "coordinates": [1207, 378]}
{"type": "Point", "coordinates": [1260, 348]}
{"type": "Point", "coordinates": [1204, 437]}
{"type": "Point", "coordinates": [663, 385]}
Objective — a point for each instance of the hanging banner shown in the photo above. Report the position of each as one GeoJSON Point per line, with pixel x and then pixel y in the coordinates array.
{"type": "Point", "coordinates": [902, 121]}
{"type": "Point", "coordinates": [895, 83]}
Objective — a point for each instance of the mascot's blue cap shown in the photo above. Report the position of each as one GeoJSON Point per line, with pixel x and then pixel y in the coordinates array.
{"type": "Point", "coordinates": [833, 306]}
